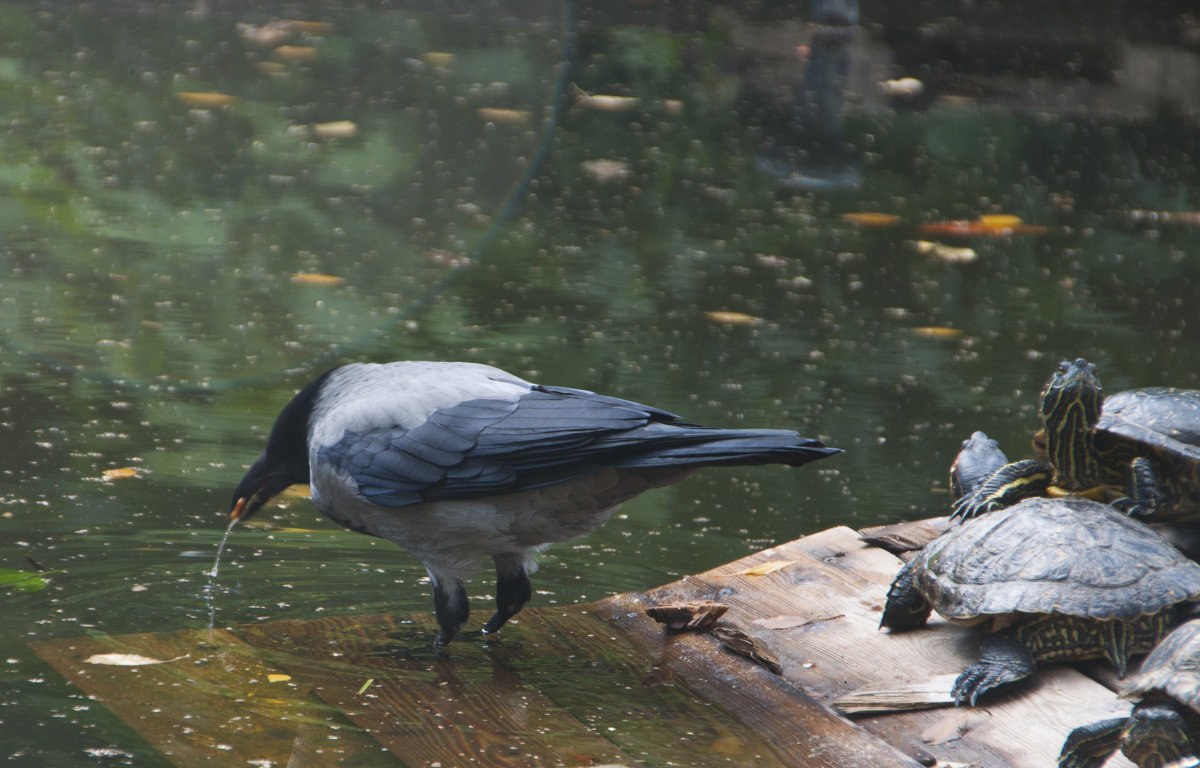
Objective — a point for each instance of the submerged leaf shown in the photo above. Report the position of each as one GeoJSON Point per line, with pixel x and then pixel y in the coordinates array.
{"type": "Point", "coordinates": [126, 659]}
{"type": "Point", "coordinates": [22, 580]}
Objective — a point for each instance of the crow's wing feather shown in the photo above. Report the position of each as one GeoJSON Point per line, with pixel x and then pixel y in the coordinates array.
{"type": "Point", "coordinates": [546, 436]}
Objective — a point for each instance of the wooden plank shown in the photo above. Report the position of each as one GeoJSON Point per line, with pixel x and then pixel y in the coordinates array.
{"type": "Point", "coordinates": [459, 707]}
{"type": "Point", "coordinates": [834, 585]}
{"type": "Point", "coordinates": [211, 701]}
{"type": "Point", "coordinates": [641, 704]}
{"type": "Point", "coordinates": [805, 731]}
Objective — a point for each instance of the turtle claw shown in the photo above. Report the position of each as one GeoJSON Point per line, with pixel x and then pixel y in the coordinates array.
{"type": "Point", "coordinates": [1001, 660]}
{"type": "Point", "coordinates": [1089, 746]}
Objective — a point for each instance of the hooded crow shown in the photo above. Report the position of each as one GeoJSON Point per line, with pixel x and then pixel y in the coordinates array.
{"type": "Point", "coordinates": [458, 462]}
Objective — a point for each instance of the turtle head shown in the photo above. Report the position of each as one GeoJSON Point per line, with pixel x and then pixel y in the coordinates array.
{"type": "Point", "coordinates": [1070, 403]}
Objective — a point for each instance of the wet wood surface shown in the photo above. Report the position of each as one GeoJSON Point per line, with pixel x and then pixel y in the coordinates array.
{"type": "Point", "coordinates": [801, 633]}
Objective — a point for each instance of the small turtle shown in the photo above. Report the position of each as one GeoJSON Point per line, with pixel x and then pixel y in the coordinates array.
{"type": "Point", "coordinates": [1163, 726]}
{"type": "Point", "coordinates": [1050, 580]}
{"type": "Point", "coordinates": [977, 460]}
{"type": "Point", "coordinates": [1142, 447]}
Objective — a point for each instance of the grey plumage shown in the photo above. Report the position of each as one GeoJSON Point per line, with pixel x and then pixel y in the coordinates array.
{"type": "Point", "coordinates": [457, 462]}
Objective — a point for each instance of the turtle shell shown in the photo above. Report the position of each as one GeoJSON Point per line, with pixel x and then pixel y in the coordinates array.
{"type": "Point", "coordinates": [1173, 667]}
{"type": "Point", "coordinates": [1069, 556]}
{"type": "Point", "coordinates": [1164, 417]}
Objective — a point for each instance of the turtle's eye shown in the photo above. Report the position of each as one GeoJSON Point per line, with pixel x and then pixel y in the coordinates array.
{"type": "Point", "coordinates": [1063, 367]}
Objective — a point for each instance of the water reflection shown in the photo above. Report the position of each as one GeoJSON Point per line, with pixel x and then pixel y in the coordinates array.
{"type": "Point", "coordinates": [153, 320]}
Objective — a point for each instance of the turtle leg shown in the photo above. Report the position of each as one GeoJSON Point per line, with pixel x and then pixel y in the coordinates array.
{"type": "Point", "coordinates": [1001, 660]}
{"type": "Point", "coordinates": [1005, 487]}
{"type": "Point", "coordinates": [1117, 639]}
{"type": "Point", "coordinates": [1156, 736]}
{"type": "Point", "coordinates": [1145, 490]}
{"type": "Point", "coordinates": [906, 607]}
{"type": "Point", "coordinates": [1088, 746]}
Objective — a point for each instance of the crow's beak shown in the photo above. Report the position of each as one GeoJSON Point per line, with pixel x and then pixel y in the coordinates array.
{"type": "Point", "coordinates": [262, 481]}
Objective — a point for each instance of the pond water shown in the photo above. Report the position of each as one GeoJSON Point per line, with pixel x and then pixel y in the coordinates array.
{"type": "Point", "coordinates": [195, 221]}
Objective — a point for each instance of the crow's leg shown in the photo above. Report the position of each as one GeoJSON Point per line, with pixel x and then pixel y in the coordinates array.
{"type": "Point", "coordinates": [513, 589]}
{"type": "Point", "coordinates": [451, 608]}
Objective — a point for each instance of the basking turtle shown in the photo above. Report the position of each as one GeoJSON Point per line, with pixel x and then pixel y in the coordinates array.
{"type": "Point", "coordinates": [1050, 580]}
{"type": "Point", "coordinates": [1143, 444]}
{"type": "Point", "coordinates": [977, 460]}
{"type": "Point", "coordinates": [1162, 726]}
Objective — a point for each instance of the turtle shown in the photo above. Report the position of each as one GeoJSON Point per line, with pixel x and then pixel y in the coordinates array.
{"type": "Point", "coordinates": [1162, 727]}
{"type": "Point", "coordinates": [1139, 449]}
{"type": "Point", "coordinates": [1048, 580]}
{"type": "Point", "coordinates": [977, 460]}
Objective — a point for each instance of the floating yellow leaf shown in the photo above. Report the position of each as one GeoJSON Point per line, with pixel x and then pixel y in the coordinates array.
{"type": "Point", "coordinates": [316, 278]}
{"type": "Point", "coordinates": [762, 569]}
{"type": "Point", "coordinates": [999, 221]}
{"type": "Point", "coordinates": [197, 99]}
{"type": "Point", "coordinates": [338, 129]}
{"type": "Point", "coordinates": [366, 685]}
{"type": "Point", "coordinates": [295, 53]}
{"type": "Point", "coordinates": [505, 116]}
{"type": "Point", "coordinates": [946, 253]}
{"type": "Point", "coordinates": [126, 660]}
{"type": "Point", "coordinates": [605, 103]}
{"type": "Point", "coordinates": [869, 219]}
{"type": "Point", "coordinates": [273, 678]}
{"type": "Point", "coordinates": [437, 58]}
{"type": "Point", "coordinates": [119, 473]}
{"type": "Point", "coordinates": [937, 332]}
{"type": "Point", "coordinates": [732, 318]}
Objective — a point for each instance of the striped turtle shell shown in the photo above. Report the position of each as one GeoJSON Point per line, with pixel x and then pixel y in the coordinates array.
{"type": "Point", "coordinates": [1068, 556]}
{"type": "Point", "coordinates": [1173, 667]}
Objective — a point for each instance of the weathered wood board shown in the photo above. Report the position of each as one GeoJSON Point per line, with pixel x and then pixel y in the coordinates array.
{"type": "Point", "coordinates": [833, 586]}
{"type": "Point", "coordinates": [368, 690]}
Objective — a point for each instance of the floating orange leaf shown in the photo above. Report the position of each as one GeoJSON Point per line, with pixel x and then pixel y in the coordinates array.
{"type": "Point", "coordinates": [273, 678]}
{"type": "Point", "coordinates": [197, 99]}
{"type": "Point", "coordinates": [937, 332]}
{"type": "Point", "coordinates": [871, 220]}
{"type": "Point", "coordinates": [316, 278]}
{"type": "Point", "coordinates": [990, 225]}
